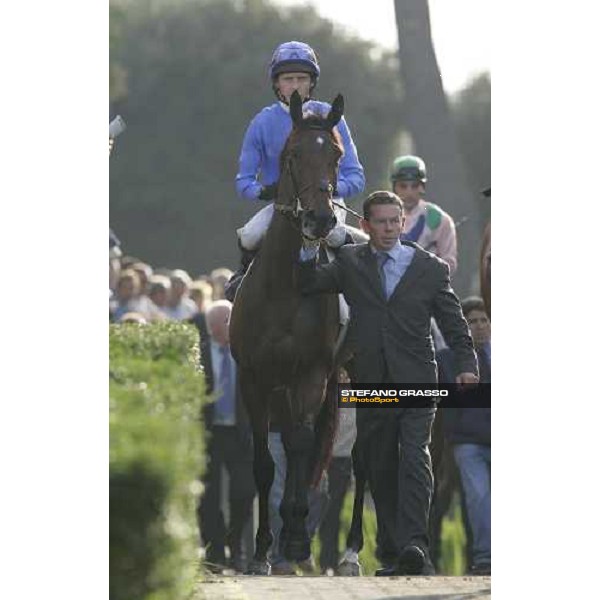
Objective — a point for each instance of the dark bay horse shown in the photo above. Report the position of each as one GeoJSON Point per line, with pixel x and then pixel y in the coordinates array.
{"type": "Point", "coordinates": [485, 269]}
{"type": "Point", "coordinates": [284, 342]}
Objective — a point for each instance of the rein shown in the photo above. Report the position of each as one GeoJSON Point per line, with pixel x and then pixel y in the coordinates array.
{"type": "Point", "coordinates": [296, 210]}
{"type": "Point", "coordinates": [352, 212]}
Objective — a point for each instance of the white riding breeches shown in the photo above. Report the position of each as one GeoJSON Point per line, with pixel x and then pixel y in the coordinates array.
{"type": "Point", "coordinates": [254, 230]}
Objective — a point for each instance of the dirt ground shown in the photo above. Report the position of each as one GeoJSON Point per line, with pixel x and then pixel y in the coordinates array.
{"type": "Point", "coordinates": [343, 588]}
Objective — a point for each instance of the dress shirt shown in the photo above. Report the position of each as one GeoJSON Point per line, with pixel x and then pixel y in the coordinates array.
{"type": "Point", "coordinates": [222, 415]}
{"type": "Point", "coordinates": [394, 268]}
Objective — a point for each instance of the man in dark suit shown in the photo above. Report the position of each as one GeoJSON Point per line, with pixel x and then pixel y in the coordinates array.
{"type": "Point", "coordinates": [394, 288]}
{"type": "Point", "coordinates": [229, 443]}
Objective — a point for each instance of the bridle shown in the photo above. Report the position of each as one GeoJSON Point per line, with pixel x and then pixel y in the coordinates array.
{"type": "Point", "coordinates": [297, 209]}
{"type": "Point", "coordinates": [294, 212]}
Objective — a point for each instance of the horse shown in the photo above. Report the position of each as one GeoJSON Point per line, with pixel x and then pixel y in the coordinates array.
{"type": "Point", "coordinates": [284, 342]}
{"type": "Point", "coordinates": [485, 269]}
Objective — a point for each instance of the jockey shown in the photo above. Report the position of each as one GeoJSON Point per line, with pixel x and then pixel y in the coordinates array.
{"type": "Point", "coordinates": [294, 66]}
{"type": "Point", "coordinates": [426, 223]}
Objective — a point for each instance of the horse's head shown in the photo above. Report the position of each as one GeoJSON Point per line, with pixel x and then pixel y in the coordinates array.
{"type": "Point", "coordinates": [309, 164]}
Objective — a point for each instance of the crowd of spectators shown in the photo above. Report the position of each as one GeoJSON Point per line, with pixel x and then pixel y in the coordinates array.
{"type": "Point", "coordinates": [140, 293]}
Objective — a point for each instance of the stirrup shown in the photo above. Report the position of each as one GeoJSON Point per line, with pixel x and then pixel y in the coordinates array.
{"type": "Point", "coordinates": [233, 284]}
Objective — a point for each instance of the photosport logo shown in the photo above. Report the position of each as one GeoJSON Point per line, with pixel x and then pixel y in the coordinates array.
{"type": "Point", "coordinates": [414, 395]}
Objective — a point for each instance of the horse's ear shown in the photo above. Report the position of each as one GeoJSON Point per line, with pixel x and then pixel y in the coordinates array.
{"type": "Point", "coordinates": [296, 108]}
{"type": "Point", "coordinates": [336, 112]}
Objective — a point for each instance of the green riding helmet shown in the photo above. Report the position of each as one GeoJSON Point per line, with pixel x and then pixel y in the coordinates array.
{"type": "Point", "coordinates": [408, 168]}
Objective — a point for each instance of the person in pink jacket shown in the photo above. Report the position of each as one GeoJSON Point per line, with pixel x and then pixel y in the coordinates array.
{"type": "Point", "coordinates": [426, 223]}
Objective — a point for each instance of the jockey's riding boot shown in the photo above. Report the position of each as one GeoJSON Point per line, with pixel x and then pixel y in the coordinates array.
{"type": "Point", "coordinates": [232, 285]}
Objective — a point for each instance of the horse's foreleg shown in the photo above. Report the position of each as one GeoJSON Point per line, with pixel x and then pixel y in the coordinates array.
{"type": "Point", "coordinates": [263, 467]}
{"type": "Point", "coordinates": [298, 443]}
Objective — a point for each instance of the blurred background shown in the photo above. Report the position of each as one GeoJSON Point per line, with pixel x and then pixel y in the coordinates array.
{"type": "Point", "coordinates": [188, 75]}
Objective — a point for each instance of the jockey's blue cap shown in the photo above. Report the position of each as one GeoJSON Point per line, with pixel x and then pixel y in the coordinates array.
{"type": "Point", "coordinates": [292, 57]}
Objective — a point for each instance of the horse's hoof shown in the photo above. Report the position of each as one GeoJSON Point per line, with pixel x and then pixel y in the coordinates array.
{"type": "Point", "coordinates": [349, 565]}
{"type": "Point", "coordinates": [347, 569]}
{"type": "Point", "coordinates": [297, 550]}
{"type": "Point", "coordinates": [258, 568]}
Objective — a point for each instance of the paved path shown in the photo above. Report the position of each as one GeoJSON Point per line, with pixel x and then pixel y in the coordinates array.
{"type": "Point", "coordinates": [344, 588]}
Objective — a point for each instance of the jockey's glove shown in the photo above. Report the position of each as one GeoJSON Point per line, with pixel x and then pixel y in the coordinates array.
{"type": "Point", "coordinates": [268, 192]}
{"type": "Point", "coordinates": [309, 250]}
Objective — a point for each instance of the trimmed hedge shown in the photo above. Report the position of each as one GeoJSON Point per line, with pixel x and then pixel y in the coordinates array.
{"type": "Point", "coordinates": [156, 456]}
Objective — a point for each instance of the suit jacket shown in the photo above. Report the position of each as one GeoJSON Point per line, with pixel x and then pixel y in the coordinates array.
{"type": "Point", "coordinates": [199, 320]}
{"type": "Point", "coordinates": [393, 336]}
{"type": "Point", "coordinates": [447, 366]}
{"type": "Point", "coordinates": [242, 422]}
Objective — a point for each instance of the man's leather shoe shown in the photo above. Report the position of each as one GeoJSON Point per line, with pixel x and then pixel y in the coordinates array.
{"type": "Point", "coordinates": [411, 561]}
{"type": "Point", "coordinates": [483, 569]}
{"type": "Point", "coordinates": [387, 571]}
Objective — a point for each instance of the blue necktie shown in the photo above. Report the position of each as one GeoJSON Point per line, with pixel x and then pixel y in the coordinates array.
{"type": "Point", "coordinates": [226, 403]}
{"type": "Point", "coordinates": [382, 258]}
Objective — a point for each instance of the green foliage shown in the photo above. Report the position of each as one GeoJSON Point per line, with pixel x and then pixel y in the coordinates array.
{"type": "Point", "coordinates": [471, 110]}
{"type": "Point", "coordinates": [196, 75]}
{"type": "Point", "coordinates": [454, 541]}
{"type": "Point", "coordinates": [156, 393]}
{"type": "Point", "coordinates": [117, 76]}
